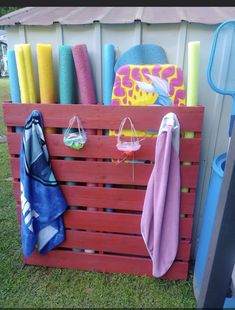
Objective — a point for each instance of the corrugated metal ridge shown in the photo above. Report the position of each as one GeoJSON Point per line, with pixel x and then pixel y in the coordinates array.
{"type": "Point", "coordinates": [117, 15]}
{"type": "Point", "coordinates": [13, 17]}
{"type": "Point", "coordinates": [85, 15]}
{"type": "Point", "coordinates": [43, 15]}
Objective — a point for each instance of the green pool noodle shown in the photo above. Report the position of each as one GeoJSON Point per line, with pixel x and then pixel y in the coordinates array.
{"type": "Point", "coordinates": [192, 84]}
{"type": "Point", "coordinates": [193, 73]}
{"type": "Point", "coordinates": [66, 75]}
{"type": "Point", "coordinates": [66, 80]}
{"type": "Point", "coordinates": [193, 78]}
{"type": "Point", "coordinates": [67, 87]}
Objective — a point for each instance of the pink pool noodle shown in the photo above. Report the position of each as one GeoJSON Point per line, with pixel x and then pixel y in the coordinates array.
{"type": "Point", "coordinates": [86, 86]}
{"type": "Point", "coordinates": [84, 75]}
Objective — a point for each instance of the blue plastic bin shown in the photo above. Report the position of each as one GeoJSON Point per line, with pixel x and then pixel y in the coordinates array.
{"type": "Point", "coordinates": [208, 219]}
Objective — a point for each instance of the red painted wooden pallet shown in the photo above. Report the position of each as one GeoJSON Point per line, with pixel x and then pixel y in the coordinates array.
{"type": "Point", "coordinates": [115, 236]}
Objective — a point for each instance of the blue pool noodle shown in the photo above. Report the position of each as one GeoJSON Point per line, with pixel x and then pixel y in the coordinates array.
{"type": "Point", "coordinates": [108, 72]}
{"type": "Point", "coordinates": [13, 77]}
{"type": "Point", "coordinates": [13, 80]}
{"type": "Point", "coordinates": [108, 80]}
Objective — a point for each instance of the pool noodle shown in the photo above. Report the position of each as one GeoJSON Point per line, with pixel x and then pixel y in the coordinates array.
{"type": "Point", "coordinates": [24, 94]}
{"type": "Point", "coordinates": [46, 76]}
{"type": "Point", "coordinates": [108, 80]}
{"type": "Point", "coordinates": [67, 91]}
{"type": "Point", "coordinates": [193, 73]}
{"type": "Point", "coordinates": [46, 73]}
{"type": "Point", "coordinates": [193, 77]}
{"type": "Point", "coordinates": [87, 93]}
{"type": "Point", "coordinates": [29, 72]}
{"type": "Point", "coordinates": [192, 84]}
{"type": "Point", "coordinates": [13, 81]}
{"type": "Point", "coordinates": [66, 81]}
{"type": "Point", "coordinates": [25, 73]}
{"type": "Point", "coordinates": [108, 72]}
{"type": "Point", "coordinates": [66, 75]}
{"type": "Point", "coordinates": [13, 77]}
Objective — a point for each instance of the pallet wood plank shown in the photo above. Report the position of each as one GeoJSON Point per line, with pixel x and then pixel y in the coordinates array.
{"type": "Point", "coordinates": [104, 263]}
{"type": "Point", "coordinates": [117, 198]}
{"type": "Point", "coordinates": [112, 242]}
{"type": "Point", "coordinates": [105, 147]}
{"type": "Point", "coordinates": [107, 172]}
{"type": "Point", "coordinates": [116, 243]}
{"type": "Point", "coordinates": [104, 117]}
{"type": "Point", "coordinates": [114, 222]}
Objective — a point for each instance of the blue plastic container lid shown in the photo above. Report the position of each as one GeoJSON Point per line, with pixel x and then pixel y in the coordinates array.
{"type": "Point", "coordinates": [219, 164]}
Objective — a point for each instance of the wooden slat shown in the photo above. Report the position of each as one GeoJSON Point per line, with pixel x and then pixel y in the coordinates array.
{"type": "Point", "coordinates": [115, 243]}
{"type": "Point", "coordinates": [107, 172]}
{"type": "Point", "coordinates": [114, 222]}
{"type": "Point", "coordinates": [104, 117]}
{"type": "Point", "coordinates": [117, 198]}
{"type": "Point", "coordinates": [112, 242]}
{"type": "Point", "coordinates": [105, 263]}
{"type": "Point", "coordinates": [105, 147]}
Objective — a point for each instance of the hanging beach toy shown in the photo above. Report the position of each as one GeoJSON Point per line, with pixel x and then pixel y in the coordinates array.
{"type": "Point", "coordinates": [128, 148]}
{"type": "Point", "coordinates": [76, 140]}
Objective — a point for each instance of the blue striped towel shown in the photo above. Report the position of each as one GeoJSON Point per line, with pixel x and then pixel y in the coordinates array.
{"type": "Point", "coordinates": [42, 201]}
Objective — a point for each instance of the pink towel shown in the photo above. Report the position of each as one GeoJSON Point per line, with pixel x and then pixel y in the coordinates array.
{"type": "Point", "coordinates": [160, 217]}
{"type": "Point", "coordinates": [87, 93]}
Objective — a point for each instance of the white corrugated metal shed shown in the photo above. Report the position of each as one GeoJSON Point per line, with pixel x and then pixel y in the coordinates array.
{"type": "Point", "coordinates": [116, 15]}
{"type": "Point", "coordinates": [170, 27]}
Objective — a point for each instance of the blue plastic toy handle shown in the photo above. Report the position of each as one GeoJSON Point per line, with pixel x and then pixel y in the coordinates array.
{"type": "Point", "coordinates": [232, 117]}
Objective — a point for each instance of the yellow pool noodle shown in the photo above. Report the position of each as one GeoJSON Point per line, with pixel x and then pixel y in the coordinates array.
{"type": "Point", "coordinates": [25, 73]}
{"type": "Point", "coordinates": [45, 73]}
{"type": "Point", "coordinates": [24, 94]}
{"type": "Point", "coordinates": [29, 72]}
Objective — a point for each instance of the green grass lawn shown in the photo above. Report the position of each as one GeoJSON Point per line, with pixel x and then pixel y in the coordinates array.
{"type": "Point", "coordinates": [33, 287]}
